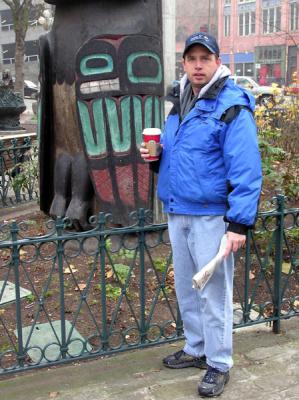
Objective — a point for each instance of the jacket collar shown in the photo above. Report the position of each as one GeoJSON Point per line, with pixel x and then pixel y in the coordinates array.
{"type": "Point", "coordinates": [212, 93]}
{"type": "Point", "coordinates": [215, 89]}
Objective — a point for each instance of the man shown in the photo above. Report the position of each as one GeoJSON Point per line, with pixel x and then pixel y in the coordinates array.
{"type": "Point", "coordinates": [209, 182]}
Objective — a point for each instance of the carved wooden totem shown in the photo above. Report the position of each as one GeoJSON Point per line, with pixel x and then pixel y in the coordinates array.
{"type": "Point", "coordinates": [101, 85]}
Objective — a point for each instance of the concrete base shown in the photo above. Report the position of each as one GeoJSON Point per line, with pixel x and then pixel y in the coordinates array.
{"type": "Point", "coordinates": [6, 135]}
{"type": "Point", "coordinates": [266, 367]}
{"type": "Point", "coordinates": [46, 337]}
{"type": "Point", "coordinates": [9, 294]}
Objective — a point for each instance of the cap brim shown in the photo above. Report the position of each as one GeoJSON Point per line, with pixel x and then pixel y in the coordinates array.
{"type": "Point", "coordinates": [201, 44]}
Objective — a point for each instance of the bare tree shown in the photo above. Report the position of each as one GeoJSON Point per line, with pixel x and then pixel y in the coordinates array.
{"type": "Point", "coordinates": [21, 12]}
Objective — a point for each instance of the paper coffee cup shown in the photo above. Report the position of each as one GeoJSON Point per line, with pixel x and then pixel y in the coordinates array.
{"type": "Point", "coordinates": [151, 137]}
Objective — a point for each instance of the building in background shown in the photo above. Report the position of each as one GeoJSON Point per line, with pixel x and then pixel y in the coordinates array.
{"type": "Point", "coordinates": [257, 38]}
{"type": "Point", "coordinates": [193, 16]}
{"type": "Point", "coordinates": [260, 38]}
{"type": "Point", "coordinates": [7, 44]}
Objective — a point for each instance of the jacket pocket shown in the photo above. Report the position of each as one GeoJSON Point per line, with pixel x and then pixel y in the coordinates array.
{"type": "Point", "coordinates": [212, 178]}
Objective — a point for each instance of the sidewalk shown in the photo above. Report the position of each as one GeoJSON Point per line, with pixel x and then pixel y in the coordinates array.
{"type": "Point", "coordinates": [266, 367]}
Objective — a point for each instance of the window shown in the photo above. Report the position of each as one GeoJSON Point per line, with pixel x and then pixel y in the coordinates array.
{"type": "Point", "coordinates": [244, 69]}
{"type": "Point", "coordinates": [8, 53]}
{"type": "Point", "coordinates": [6, 20]}
{"type": "Point", "coordinates": [294, 16]}
{"type": "Point", "coordinates": [270, 54]}
{"type": "Point", "coordinates": [247, 23]}
{"type": "Point", "coordinates": [227, 2]}
{"type": "Point", "coordinates": [271, 20]}
{"type": "Point", "coordinates": [31, 51]}
{"type": "Point", "coordinates": [227, 25]}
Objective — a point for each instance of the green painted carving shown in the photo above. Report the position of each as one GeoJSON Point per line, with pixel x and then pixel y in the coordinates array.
{"type": "Point", "coordinates": [157, 113]}
{"type": "Point", "coordinates": [95, 146]}
{"type": "Point", "coordinates": [97, 109]}
{"type": "Point", "coordinates": [137, 103]}
{"type": "Point", "coordinates": [144, 79]}
{"type": "Point", "coordinates": [39, 120]}
{"type": "Point", "coordinates": [148, 109]}
{"type": "Point", "coordinates": [86, 71]}
{"type": "Point", "coordinates": [121, 141]}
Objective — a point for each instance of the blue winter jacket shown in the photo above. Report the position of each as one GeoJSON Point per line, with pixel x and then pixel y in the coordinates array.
{"type": "Point", "coordinates": [210, 164]}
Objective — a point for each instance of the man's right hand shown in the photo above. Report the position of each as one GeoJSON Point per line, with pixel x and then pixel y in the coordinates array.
{"type": "Point", "coordinates": [145, 153]}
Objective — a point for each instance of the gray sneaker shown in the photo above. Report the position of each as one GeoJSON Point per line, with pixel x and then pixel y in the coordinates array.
{"type": "Point", "coordinates": [180, 359]}
{"type": "Point", "coordinates": [213, 382]}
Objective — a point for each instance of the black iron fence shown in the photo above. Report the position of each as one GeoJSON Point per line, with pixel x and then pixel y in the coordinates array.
{"type": "Point", "coordinates": [18, 169]}
{"type": "Point", "coordinates": [68, 295]}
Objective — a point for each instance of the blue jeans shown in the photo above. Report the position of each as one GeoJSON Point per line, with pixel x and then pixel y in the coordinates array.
{"type": "Point", "coordinates": [207, 314]}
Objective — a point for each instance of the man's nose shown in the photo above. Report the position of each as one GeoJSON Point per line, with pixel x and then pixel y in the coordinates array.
{"type": "Point", "coordinates": [198, 64]}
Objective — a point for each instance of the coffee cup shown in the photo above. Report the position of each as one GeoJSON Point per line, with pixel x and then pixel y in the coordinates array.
{"type": "Point", "coordinates": [151, 139]}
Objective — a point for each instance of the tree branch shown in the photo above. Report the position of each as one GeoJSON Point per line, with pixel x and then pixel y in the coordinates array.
{"type": "Point", "coordinates": [9, 3]}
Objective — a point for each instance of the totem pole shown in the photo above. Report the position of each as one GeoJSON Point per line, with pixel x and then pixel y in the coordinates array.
{"type": "Point", "coordinates": [101, 85]}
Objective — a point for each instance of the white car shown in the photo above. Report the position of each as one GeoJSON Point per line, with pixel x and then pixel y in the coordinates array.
{"type": "Point", "coordinates": [262, 93]}
{"type": "Point", "coordinates": [30, 89]}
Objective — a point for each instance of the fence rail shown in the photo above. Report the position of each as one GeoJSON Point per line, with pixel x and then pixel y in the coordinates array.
{"type": "Point", "coordinates": [68, 295]}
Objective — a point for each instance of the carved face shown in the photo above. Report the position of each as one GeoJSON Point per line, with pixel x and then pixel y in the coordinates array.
{"type": "Point", "coordinates": [119, 83]}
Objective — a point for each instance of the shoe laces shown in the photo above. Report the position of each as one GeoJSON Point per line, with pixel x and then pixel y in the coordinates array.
{"type": "Point", "coordinates": [211, 374]}
{"type": "Point", "coordinates": [178, 354]}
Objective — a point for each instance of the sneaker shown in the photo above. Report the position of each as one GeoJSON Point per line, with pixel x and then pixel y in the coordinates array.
{"type": "Point", "coordinates": [213, 382]}
{"type": "Point", "coordinates": [180, 359]}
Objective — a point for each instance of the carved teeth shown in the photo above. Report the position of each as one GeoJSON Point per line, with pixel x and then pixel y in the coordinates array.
{"type": "Point", "coordinates": [100, 86]}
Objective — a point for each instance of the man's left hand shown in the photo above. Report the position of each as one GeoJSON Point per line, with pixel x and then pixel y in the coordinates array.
{"type": "Point", "coordinates": [234, 242]}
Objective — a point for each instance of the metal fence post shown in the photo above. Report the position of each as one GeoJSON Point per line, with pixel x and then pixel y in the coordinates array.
{"type": "Point", "coordinates": [278, 262]}
{"type": "Point", "coordinates": [141, 223]}
{"type": "Point", "coordinates": [14, 229]}
{"type": "Point", "coordinates": [102, 247]}
{"type": "Point", "coordinates": [59, 225]}
{"type": "Point", "coordinates": [246, 312]}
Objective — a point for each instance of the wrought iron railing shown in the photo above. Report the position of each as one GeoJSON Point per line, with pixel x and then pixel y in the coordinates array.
{"type": "Point", "coordinates": [18, 170]}
{"type": "Point", "coordinates": [68, 295]}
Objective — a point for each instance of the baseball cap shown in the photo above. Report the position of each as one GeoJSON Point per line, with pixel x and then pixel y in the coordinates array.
{"type": "Point", "coordinates": [203, 38]}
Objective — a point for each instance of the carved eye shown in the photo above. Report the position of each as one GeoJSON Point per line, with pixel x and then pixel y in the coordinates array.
{"type": "Point", "coordinates": [118, 66]}
{"type": "Point", "coordinates": [96, 64]}
{"type": "Point", "coordinates": [144, 67]}
{"type": "Point", "coordinates": [97, 70]}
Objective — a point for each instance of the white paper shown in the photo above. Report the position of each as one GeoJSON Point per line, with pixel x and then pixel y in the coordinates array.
{"type": "Point", "coordinates": [200, 279]}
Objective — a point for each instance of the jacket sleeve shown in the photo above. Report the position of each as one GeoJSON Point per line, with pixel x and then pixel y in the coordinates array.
{"type": "Point", "coordinates": [243, 170]}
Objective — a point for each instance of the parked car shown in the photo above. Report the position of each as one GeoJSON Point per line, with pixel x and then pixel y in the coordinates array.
{"type": "Point", "coordinates": [292, 89]}
{"type": "Point", "coordinates": [30, 89]}
{"type": "Point", "coordinates": [262, 93]}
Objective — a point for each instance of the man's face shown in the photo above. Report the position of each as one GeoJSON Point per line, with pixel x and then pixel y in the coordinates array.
{"type": "Point", "coordinates": [200, 65]}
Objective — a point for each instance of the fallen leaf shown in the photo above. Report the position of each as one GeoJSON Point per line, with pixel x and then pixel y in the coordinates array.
{"type": "Point", "coordinates": [109, 274]}
{"type": "Point", "coordinates": [53, 395]}
{"type": "Point", "coordinates": [81, 286]}
{"type": "Point", "coordinates": [285, 268]}
{"type": "Point", "coordinates": [139, 375]}
{"type": "Point", "coordinates": [251, 275]}
{"type": "Point", "coordinates": [70, 269]}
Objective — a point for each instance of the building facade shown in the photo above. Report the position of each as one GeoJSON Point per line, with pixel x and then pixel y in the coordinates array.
{"type": "Point", "coordinates": [193, 16]}
{"type": "Point", "coordinates": [7, 44]}
{"type": "Point", "coordinates": [260, 38]}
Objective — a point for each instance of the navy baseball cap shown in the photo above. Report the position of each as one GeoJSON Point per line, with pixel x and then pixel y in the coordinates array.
{"type": "Point", "coordinates": [205, 39]}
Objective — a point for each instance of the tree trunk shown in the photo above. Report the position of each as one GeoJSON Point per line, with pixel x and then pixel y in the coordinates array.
{"type": "Point", "coordinates": [19, 63]}
{"type": "Point", "coordinates": [20, 13]}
